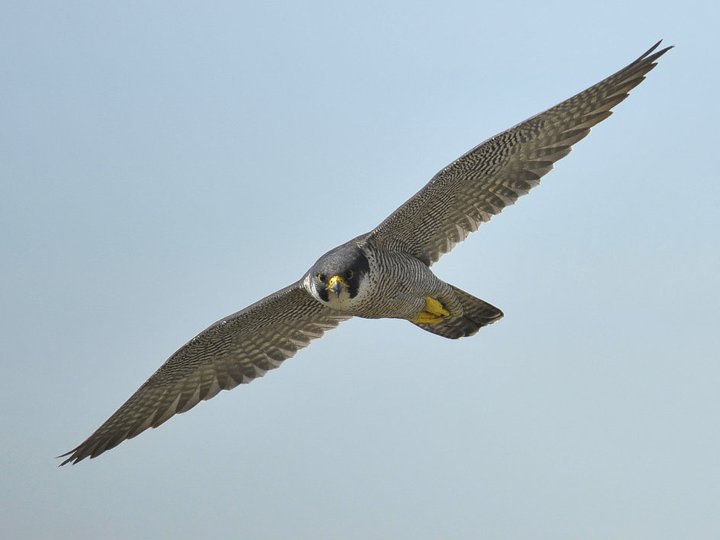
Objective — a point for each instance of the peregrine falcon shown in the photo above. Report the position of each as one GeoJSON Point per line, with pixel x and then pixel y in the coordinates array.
{"type": "Point", "coordinates": [381, 274]}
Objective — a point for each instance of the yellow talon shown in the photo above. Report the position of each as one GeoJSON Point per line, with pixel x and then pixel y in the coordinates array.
{"type": "Point", "coordinates": [435, 307]}
{"type": "Point", "coordinates": [433, 313]}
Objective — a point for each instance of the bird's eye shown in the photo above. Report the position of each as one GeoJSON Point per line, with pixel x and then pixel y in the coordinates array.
{"type": "Point", "coordinates": [320, 277]}
{"type": "Point", "coordinates": [349, 274]}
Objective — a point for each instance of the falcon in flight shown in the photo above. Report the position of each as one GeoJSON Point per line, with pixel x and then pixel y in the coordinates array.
{"type": "Point", "coordinates": [383, 273]}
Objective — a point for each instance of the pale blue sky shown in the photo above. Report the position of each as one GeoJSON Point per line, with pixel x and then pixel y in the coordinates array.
{"type": "Point", "coordinates": [165, 164]}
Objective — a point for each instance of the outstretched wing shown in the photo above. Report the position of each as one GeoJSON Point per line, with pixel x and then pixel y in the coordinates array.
{"type": "Point", "coordinates": [232, 351]}
{"type": "Point", "coordinates": [494, 174]}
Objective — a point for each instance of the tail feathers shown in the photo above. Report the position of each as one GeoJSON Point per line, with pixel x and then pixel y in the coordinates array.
{"type": "Point", "coordinates": [476, 314]}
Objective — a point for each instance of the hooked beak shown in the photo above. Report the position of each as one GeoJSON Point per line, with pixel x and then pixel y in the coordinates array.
{"type": "Point", "coordinates": [336, 285]}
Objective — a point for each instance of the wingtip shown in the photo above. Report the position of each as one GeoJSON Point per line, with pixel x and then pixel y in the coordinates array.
{"type": "Point", "coordinates": [74, 456]}
{"type": "Point", "coordinates": [657, 54]}
{"type": "Point", "coordinates": [73, 459]}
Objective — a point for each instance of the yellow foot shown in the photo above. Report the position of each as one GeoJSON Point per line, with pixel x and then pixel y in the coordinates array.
{"type": "Point", "coordinates": [433, 313]}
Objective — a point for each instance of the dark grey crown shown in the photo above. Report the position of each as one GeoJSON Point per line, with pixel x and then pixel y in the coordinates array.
{"type": "Point", "coordinates": [347, 261]}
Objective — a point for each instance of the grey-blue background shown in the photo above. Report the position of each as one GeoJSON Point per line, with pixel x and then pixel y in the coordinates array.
{"type": "Point", "coordinates": [164, 164]}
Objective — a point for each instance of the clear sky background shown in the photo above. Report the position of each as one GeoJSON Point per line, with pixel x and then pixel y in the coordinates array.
{"type": "Point", "coordinates": [164, 164]}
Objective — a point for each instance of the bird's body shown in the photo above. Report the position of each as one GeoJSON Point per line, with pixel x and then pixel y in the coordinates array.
{"type": "Point", "coordinates": [390, 287]}
{"type": "Point", "coordinates": [384, 282]}
{"type": "Point", "coordinates": [382, 274]}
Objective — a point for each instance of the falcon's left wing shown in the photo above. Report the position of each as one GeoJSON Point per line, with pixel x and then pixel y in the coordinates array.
{"type": "Point", "coordinates": [494, 174]}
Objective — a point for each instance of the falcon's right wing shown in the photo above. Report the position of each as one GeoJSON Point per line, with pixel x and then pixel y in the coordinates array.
{"type": "Point", "coordinates": [234, 350]}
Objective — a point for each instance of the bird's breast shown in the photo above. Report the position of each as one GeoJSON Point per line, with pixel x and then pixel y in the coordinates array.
{"type": "Point", "coordinates": [394, 287]}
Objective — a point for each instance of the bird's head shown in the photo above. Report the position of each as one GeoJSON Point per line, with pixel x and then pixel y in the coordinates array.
{"type": "Point", "coordinates": [337, 277]}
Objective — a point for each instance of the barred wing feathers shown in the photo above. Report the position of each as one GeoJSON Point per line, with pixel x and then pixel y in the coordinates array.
{"type": "Point", "coordinates": [493, 175]}
{"type": "Point", "coordinates": [234, 350]}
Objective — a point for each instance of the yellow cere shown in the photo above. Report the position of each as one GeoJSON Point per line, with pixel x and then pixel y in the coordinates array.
{"type": "Point", "coordinates": [336, 279]}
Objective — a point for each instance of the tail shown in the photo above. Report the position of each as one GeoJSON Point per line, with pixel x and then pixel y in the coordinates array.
{"type": "Point", "coordinates": [476, 314]}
